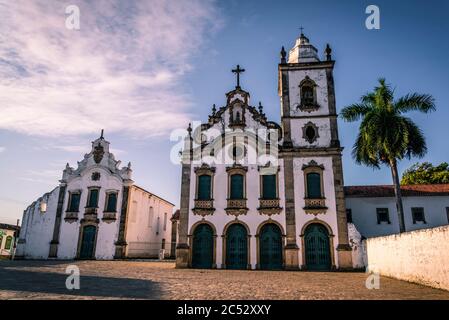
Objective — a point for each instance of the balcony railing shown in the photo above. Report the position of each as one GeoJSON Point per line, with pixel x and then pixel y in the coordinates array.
{"type": "Point", "coordinates": [315, 206]}
{"type": "Point", "coordinates": [236, 207]}
{"type": "Point", "coordinates": [203, 207]}
{"type": "Point", "coordinates": [269, 206]}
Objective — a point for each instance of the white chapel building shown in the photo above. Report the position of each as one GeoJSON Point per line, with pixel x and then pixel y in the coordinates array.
{"type": "Point", "coordinates": [260, 195]}
{"type": "Point", "coordinates": [96, 212]}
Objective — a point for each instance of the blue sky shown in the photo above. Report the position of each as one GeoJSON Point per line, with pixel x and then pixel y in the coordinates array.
{"type": "Point", "coordinates": [141, 69]}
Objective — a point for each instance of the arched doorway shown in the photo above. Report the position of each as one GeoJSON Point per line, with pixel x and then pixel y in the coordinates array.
{"type": "Point", "coordinates": [317, 248]}
{"type": "Point", "coordinates": [270, 247]}
{"type": "Point", "coordinates": [87, 246]}
{"type": "Point", "coordinates": [203, 247]}
{"type": "Point", "coordinates": [236, 247]}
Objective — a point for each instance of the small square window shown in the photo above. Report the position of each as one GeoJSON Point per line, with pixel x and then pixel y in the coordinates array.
{"type": "Point", "coordinates": [383, 215]}
{"type": "Point", "coordinates": [418, 215]}
{"type": "Point", "coordinates": [348, 215]}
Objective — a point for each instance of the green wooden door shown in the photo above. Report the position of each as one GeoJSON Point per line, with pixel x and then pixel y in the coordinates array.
{"type": "Point", "coordinates": [270, 243]}
{"type": "Point", "coordinates": [88, 242]}
{"type": "Point", "coordinates": [236, 247]}
{"type": "Point", "coordinates": [317, 249]}
{"type": "Point", "coordinates": [202, 247]}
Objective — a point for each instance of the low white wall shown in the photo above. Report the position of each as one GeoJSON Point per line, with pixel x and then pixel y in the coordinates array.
{"type": "Point", "coordinates": [420, 256]}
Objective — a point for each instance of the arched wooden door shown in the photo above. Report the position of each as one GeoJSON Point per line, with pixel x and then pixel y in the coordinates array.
{"type": "Point", "coordinates": [88, 242]}
{"type": "Point", "coordinates": [270, 247]}
{"type": "Point", "coordinates": [317, 248]}
{"type": "Point", "coordinates": [236, 247]}
{"type": "Point", "coordinates": [202, 247]}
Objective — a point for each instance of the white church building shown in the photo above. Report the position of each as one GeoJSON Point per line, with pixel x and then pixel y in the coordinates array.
{"type": "Point", "coordinates": [96, 212]}
{"type": "Point", "coordinates": [259, 195]}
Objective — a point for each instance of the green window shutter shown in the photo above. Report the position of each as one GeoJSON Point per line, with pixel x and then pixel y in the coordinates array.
{"type": "Point", "coordinates": [74, 202]}
{"type": "Point", "coordinates": [313, 185]}
{"type": "Point", "coordinates": [93, 198]}
{"type": "Point", "coordinates": [204, 187]}
{"type": "Point", "coordinates": [8, 243]}
{"type": "Point", "coordinates": [269, 186]}
{"type": "Point", "coordinates": [112, 203]}
{"type": "Point", "coordinates": [237, 186]}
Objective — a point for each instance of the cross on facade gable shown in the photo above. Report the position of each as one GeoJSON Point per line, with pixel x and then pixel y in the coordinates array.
{"type": "Point", "coordinates": [237, 71]}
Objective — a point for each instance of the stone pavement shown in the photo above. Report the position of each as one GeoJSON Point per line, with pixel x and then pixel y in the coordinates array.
{"type": "Point", "coordinates": [160, 280]}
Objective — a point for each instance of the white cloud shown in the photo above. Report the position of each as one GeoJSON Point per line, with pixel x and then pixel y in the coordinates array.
{"type": "Point", "coordinates": [121, 71]}
{"type": "Point", "coordinates": [2, 149]}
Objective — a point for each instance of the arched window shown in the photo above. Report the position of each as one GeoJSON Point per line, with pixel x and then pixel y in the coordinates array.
{"type": "Point", "coordinates": [204, 187]}
{"type": "Point", "coordinates": [8, 243]}
{"type": "Point", "coordinates": [308, 95]}
{"type": "Point", "coordinates": [269, 186]}
{"type": "Point", "coordinates": [237, 191]}
{"type": "Point", "coordinates": [314, 185]}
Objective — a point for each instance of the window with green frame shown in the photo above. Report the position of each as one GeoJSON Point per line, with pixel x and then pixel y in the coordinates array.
{"type": "Point", "coordinates": [204, 187]}
{"type": "Point", "coordinates": [111, 204]}
{"type": "Point", "coordinates": [74, 202]}
{"type": "Point", "coordinates": [237, 186]}
{"type": "Point", "coordinates": [269, 186]}
{"type": "Point", "coordinates": [313, 185]}
{"type": "Point", "coordinates": [93, 198]}
{"type": "Point", "coordinates": [8, 243]}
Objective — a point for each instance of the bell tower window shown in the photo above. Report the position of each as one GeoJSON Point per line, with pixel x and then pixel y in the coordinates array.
{"type": "Point", "coordinates": [307, 89]}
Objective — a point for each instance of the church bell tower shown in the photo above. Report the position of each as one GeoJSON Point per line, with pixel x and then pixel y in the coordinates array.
{"type": "Point", "coordinates": [311, 144]}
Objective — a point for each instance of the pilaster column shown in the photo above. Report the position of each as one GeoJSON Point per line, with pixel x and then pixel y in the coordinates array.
{"type": "Point", "coordinates": [344, 250]}
{"type": "Point", "coordinates": [182, 248]}
{"type": "Point", "coordinates": [57, 227]}
{"type": "Point", "coordinates": [291, 248]}
{"type": "Point", "coordinates": [120, 244]}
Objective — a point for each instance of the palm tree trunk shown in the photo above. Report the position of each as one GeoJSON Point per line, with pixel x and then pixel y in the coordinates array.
{"type": "Point", "coordinates": [397, 193]}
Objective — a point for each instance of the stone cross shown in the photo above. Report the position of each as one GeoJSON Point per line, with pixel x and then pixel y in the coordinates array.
{"type": "Point", "coordinates": [237, 71]}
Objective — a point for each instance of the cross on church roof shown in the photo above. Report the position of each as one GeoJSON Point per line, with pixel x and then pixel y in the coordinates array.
{"type": "Point", "coordinates": [302, 29]}
{"type": "Point", "coordinates": [237, 71]}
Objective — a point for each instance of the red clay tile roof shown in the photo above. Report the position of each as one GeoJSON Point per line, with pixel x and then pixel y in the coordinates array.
{"type": "Point", "coordinates": [406, 191]}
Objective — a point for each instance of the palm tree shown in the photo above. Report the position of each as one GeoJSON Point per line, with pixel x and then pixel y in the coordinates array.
{"type": "Point", "coordinates": [385, 135]}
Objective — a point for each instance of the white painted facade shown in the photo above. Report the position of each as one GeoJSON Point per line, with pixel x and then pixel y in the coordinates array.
{"type": "Point", "coordinates": [294, 212]}
{"type": "Point", "coordinates": [8, 234]}
{"type": "Point", "coordinates": [54, 226]}
{"type": "Point", "coordinates": [364, 213]}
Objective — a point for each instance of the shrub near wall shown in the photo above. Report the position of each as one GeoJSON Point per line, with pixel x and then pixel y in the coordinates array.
{"type": "Point", "coordinates": [420, 256]}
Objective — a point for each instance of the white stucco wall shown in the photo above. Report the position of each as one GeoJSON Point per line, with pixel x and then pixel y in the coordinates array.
{"type": "Point", "coordinates": [419, 256]}
{"type": "Point", "coordinates": [330, 217]}
{"type": "Point", "coordinates": [364, 213]}
{"type": "Point", "coordinates": [319, 77]}
{"type": "Point", "coordinates": [37, 227]}
{"type": "Point", "coordinates": [253, 219]}
{"type": "Point", "coordinates": [145, 231]}
{"type": "Point", "coordinates": [107, 232]}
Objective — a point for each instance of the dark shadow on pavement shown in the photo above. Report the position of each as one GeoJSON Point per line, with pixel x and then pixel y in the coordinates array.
{"type": "Point", "coordinates": [96, 286]}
